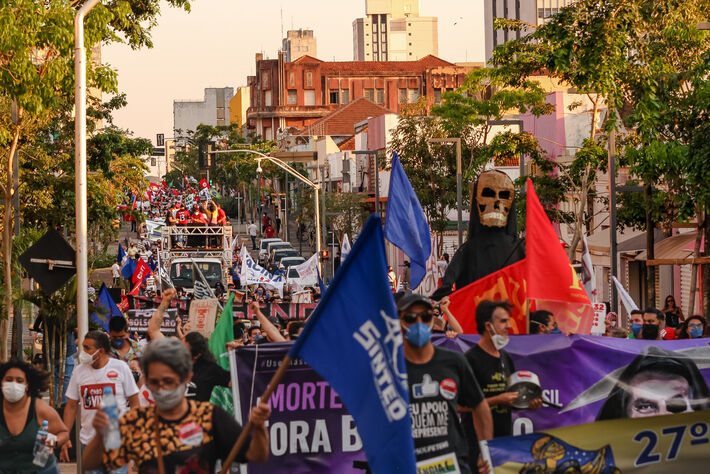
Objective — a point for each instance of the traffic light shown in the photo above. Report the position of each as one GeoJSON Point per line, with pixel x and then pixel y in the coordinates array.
{"type": "Point", "coordinates": [324, 254]}
{"type": "Point", "coordinates": [205, 158]}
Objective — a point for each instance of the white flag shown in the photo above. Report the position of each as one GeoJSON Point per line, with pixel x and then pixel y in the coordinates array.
{"type": "Point", "coordinates": [588, 279]}
{"type": "Point", "coordinates": [308, 271]}
{"type": "Point", "coordinates": [253, 273]}
{"type": "Point", "coordinates": [628, 303]}
{"type": "Point", "coordinates": [344, 248]}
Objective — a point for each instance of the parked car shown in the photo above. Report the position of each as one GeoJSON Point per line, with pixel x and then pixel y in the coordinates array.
{"type": "Point", "coordinates": [279, 253]}
{"type": "Point", "coordinates": [291, 261]}
{"type": "Point", "coordinates": [262, 246]}
{"type": "Point", "coordinates": [270, 248]}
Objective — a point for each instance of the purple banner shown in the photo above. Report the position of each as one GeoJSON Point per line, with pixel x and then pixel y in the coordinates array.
{"type": "Point", "coordinates": [309, 429]}
{"type": "Point", "coordinates": [311, 432]}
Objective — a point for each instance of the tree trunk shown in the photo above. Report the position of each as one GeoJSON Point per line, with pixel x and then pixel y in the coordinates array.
{"type": "Point", "coordinates": [694, 268]}
{"type": "Point", "coordinates": [7, 247]}
{"type": "Point", "coordinates": [706, 273]}
{"type": "Point", "coordinates": [650, 254]}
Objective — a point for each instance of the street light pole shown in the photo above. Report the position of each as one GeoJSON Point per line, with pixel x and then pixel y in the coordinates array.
{"type": "Point", "coordinates": [377, 176]}
{"type": "Point", "coordinates": [82, 259]}
{"type": "Point", "coordinates": [459, 181]}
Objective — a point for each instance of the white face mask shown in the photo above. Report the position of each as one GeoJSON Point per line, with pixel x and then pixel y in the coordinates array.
{"type": "Point", "coordinates": [499, 341]}
{"type": "Point", "coordinates": [86, 358]}
{"type": "Point", "coordinates": [13, 391]}
{"type": "Point", "coordinates": [168, 399]}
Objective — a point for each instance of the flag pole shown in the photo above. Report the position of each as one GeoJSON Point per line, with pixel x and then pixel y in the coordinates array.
{"type": "Point", "coordinates": [204, 282]}
{"type": "Point", "coordinates": [241, 439]}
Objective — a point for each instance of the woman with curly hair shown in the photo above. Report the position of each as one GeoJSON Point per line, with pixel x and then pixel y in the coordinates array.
{"type": "Point", "coordinates": [21, 417]}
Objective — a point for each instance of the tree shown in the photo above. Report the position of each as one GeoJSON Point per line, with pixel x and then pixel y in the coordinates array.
{"type": "Point", "coordinates": [37, 78]}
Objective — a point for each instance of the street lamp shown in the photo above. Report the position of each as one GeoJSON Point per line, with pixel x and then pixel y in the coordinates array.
{"type": "Point", "coordinates": [293, 172]}
{"type": "Point", "coordinates": [459, 178]}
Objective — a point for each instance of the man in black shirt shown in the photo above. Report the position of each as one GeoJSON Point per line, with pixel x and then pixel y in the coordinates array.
{"type": "Point", "coordinates": [439, 382]}
{"type": "Point", "coordinates": [492, 366]}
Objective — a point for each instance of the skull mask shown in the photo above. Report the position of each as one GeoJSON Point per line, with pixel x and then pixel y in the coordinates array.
{"type": "Point", "coordinates": [494, 197]}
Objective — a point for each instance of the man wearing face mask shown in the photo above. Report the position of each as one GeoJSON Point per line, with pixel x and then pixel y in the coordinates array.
{"type": "Point", "coordinates": [653, 323]}
{"type": "Point", "coordinates": [543, 322]}
{"type": "Point", "coordinates": [439, 382]}
{"type": "Point", "coordinates": [122, 347]}
{"type": "Point", "coordinates": [492, 366]}
{"type": "Point", "coordinates": [97, 369]}
{"type": "Point", "coordinates": [176, 435]}
{"type": "Point", "coordinates": [636, 319]}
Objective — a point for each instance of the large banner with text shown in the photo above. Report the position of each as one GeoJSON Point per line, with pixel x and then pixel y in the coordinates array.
{"type": "Point", "coordinates": [658, 444]}
{"type": "Point", "coordinates": [590, 378]}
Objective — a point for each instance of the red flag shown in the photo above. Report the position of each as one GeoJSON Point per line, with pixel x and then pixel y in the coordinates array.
{"type": "Point", "coordinates": [141, 272]}
{"type": "Point", "coordinates": [136, 289]}
{"type": "Point", "coordinates": [552, 281]}
{"type": "Point", "coordinates": [204, 184]}
{"type": "Point", "coordinates": [164, 184]}
{"type": "Point", "coordinates": [123, 305]}
{"type": "Point", "coordinates": [507, 284]}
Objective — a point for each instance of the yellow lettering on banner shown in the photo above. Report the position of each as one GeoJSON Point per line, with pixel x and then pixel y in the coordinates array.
{"type": "Point", "coordinates": [575, 280]}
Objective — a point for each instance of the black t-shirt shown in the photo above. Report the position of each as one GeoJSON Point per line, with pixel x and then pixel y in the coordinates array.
{"type": "Point", "coordinates": [435, 390]}
{"type": "Point", "coordinates": [492, 376]}
{"type": "Point", "coordinates": [205, 376]}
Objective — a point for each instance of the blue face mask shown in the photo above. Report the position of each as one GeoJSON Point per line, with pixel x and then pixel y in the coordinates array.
{"type": "Point", "coordinates": [636, 329]}
{"type": "Point", "coordinates": [556, 331]}
{"type": "Point", "coordinates": [696, 332]}
{"type": "Point", "coordinates": [418, 334]}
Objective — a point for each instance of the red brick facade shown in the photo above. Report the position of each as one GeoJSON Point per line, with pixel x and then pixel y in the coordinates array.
{"type": "Point", "coordinates": [296, 94]}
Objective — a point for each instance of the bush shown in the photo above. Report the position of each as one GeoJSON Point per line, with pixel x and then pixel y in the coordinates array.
{"type": "Point", "coordinates": [229, 204]}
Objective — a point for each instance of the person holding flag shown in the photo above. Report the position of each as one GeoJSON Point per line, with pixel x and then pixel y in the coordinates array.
{"type": "Point", "coordinates": [439, 381]}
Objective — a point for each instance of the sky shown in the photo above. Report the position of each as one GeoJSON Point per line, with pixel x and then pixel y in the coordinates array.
{"type": "Point", "coordinates": [214, 46]}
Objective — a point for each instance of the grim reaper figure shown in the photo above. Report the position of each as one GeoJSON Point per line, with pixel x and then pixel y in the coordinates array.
{"type": "Point", "coordinates": [492, 238]}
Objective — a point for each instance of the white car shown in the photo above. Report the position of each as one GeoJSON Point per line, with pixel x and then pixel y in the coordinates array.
{"type": "Point", "coordinates": [263, 246]}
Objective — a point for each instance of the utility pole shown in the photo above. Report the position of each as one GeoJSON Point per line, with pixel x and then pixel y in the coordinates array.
{"type": "Point", "coordinates": [612, 216]}
{"type": "Point", "coordinates": [16, 343]}
{"type": "Point", "coordinates": [322, 210]}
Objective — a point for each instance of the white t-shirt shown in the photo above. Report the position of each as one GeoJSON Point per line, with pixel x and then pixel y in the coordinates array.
{"type": "Point", "coordinates": [252, 230]}
{"type": "Point", "coordinates": [115, 270]}
{"type": "Point", "coordinates": [90, 383]}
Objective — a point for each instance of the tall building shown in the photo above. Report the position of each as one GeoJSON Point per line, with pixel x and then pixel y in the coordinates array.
{"type": "Point", "coordinates": [393, 31]}
{"type": "Point", "coordinates": [534, 12]}
{"type": "Point", "coordinates": [298, 43]}
{"type": "Point", "coordinates": [291, 96]}
{"type": "Point", "coordinates": [238, 106]}
{"type": "Point", "coordinates": [212, 110]}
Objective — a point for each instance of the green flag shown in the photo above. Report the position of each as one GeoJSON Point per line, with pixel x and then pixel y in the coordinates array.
{"type": "Point", "coordinates": [223, 333]}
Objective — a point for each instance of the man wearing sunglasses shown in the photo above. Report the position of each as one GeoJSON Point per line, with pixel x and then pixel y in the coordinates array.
{"type": "Point", "coordinates": [440, 382]}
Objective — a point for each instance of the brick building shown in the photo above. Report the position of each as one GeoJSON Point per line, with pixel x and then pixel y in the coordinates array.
{"type": "Point", "coordinates": [286, 97]}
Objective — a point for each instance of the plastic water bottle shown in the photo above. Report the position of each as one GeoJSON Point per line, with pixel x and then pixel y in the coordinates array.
{"type": "Point", "coordinates": [41, 451]}
{"type": "Point", "coordinates": [111, 434]}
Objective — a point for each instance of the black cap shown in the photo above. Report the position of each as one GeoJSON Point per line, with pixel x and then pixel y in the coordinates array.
{"type": "Point", "coordinates": [408, 299]}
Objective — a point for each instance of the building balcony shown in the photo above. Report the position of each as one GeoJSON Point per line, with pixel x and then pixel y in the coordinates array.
{"type": "Point", "coordinates": [286, 111]}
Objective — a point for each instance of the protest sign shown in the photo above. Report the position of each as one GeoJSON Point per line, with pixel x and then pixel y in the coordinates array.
{"type": "Point", "coordinates": [138, 320]}
{"type": "Point", "coordinates": [252, 273]}
{"type": "Point", "coordinates": [579, 372]}
{"type": "Point", "coordinates": [203, 314]}
{"type": "Point", "coordinates": [282, 311]}
{"type": "Point", "coordinates": [656, 444]}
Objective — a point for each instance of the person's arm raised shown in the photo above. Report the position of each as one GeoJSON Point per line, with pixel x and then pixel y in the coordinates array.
{"type": "Point", "coordinates": [267, 326]}
{"type": "Point", "coordinates": [156, 321]}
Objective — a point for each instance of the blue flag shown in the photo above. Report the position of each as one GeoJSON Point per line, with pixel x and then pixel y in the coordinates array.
{"type": "Point", "coordinates": [405, 223]}
{"type": "Point", "coordinates": [353, 340]}
{"type": "Point", "coordinates": [121, 253]}
{"type": "Point", "coordinates": [108, 308]}
{"type": "Point", "coordinates": [129, 268]}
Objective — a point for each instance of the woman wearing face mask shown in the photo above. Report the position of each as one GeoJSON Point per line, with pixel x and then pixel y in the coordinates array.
{"type": "Point", "coordinates": [21, 417]}
{"type": "Point", "coordinates": [692, 328]}
{"type": "Point", "coordinates": [175, 434]}
{"type": "Point", "coordinates": [438, 378]}
{"type": "Point", "coordinates": [492, 366]}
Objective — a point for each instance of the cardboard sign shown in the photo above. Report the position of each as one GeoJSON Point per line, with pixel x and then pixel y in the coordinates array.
{"type": "Point", "coordinates": [202, 317]}
{"type": "Point", "coordinates": [598, 327]}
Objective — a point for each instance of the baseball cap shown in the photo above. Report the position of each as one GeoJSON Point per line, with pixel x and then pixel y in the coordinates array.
{"type": "Point", "coordinates": [408, 299]}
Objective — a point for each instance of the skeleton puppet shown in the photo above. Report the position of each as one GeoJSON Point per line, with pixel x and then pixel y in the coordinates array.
{"type": "Point", "coordinates": [492, 238]}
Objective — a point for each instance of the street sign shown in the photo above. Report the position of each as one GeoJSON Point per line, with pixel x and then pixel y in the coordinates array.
{"type": "Point", "coordinates": [50, 261]}
{"type": "Point", "coordinates": [160, 139]}
{"type": "Point", "coordinates": [158, 152]}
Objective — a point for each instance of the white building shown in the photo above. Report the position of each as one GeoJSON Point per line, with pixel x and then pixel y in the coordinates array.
{"type": "Point", "coordinates": [212, 110]}
{"type": "Point", "coordinates": [393, 31]}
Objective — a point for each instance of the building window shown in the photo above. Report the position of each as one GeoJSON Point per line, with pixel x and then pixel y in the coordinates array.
{"type": "Point", "coordinates": [309, 79]}
{"type": "Point", "coordinates": [375, 48]}
{"type": "Point", "coordinates": [292, 98]}
{"type": "Point", "coordinates": [344, 96]}
{"type": "Point", "coordinates": [267, 134]}
{"type": "Point", "coordinates": [402, 96]}
{"type": "Point", "coordinates": [383, 38]}
{"type": "Point", "coordinates": [292, 78]}
{"type": "Point", "coordinates": [333, 97]}
{"type": "Point", "coordinates": [267, 98]}
{"type": "Point", "coordinates": [374, 28]}
{"type": "Point", "coordinates": [437, 95]}
{"type": "Point", "coordinates": [380, 96]}
{"type": "Point", "coordinates": [265, 82]}
{"type": "Point", "coordinates": [152, 162]}
{"type": "Point", "coordinates": [412, 95]}
{"type": "Point", "coordinates": [370, 94]}
{"type": "Point", "coordinates": [309, 97]}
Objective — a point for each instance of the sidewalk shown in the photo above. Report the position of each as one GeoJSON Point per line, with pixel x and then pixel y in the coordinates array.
{"type": "Point", "coordinates": [67, 468]}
